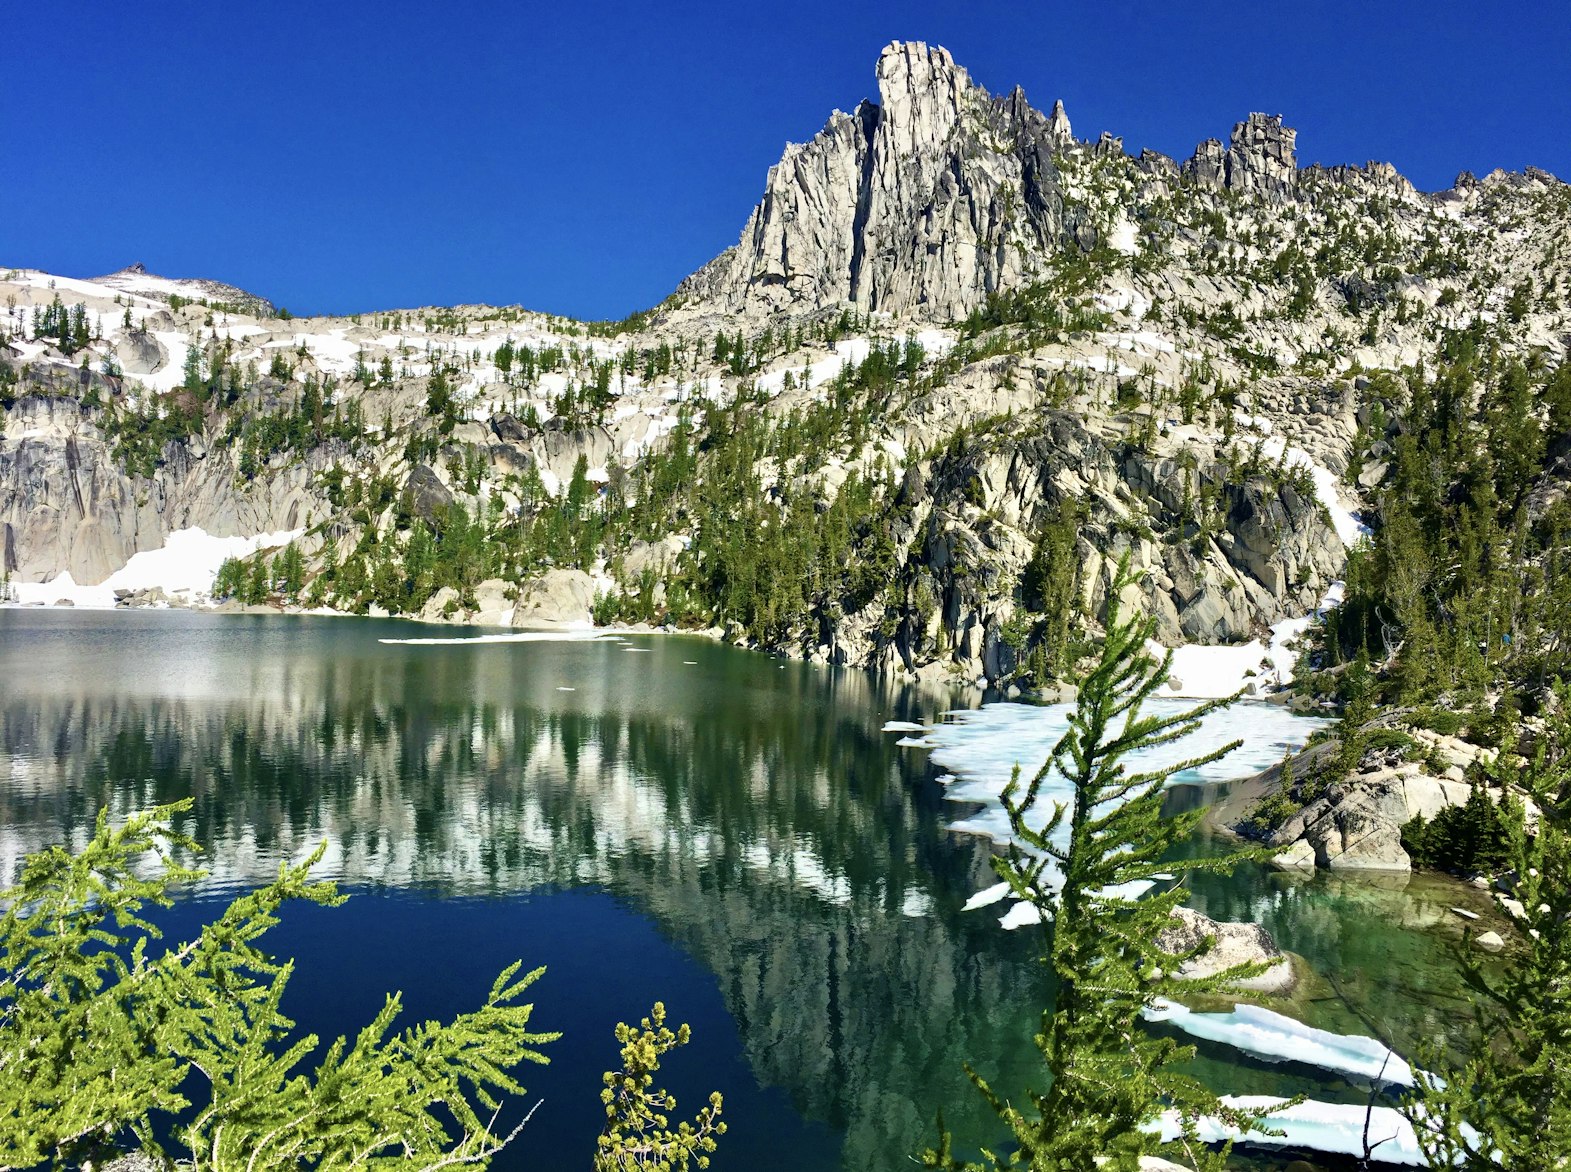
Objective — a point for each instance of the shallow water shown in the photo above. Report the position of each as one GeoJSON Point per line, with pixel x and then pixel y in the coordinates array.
{"type": "Point", "coordinates": [726, 832]}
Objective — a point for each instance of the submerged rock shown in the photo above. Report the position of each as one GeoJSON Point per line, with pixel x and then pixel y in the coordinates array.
{"type": "Point", "coordinates": [1231, 944]}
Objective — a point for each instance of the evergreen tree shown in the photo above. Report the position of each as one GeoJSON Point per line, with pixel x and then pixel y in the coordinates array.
{"type": "Point", "coordinates": [1109, 1082]}
{"type": "Point", "coordinates": [257, 582]}
{"type": "Point", "coordinates": [1507, 1105]}
{"type": "Point", "coordinates": [291, 577]}
{"type": "Point", "coordinates": [103, 1037]}
{"type": "Point", "coordinates": [638, 1131]}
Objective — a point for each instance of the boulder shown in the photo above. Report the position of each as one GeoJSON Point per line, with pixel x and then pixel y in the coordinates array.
{"type": "Point", "coordinates": [1232, 944]}
{"type": "Point", "coordinates": [1489, 941]}
{"type": "Point", "coordinates": [441, 605]}
{"type": "Point", "coordinates": [139, 352]}
{"type": "Point", "coordinates": [659, 556]}
{"type": "Point", "coordinates": [1299, 856]}
{"type": "Point", "coordinates": [493, 604]}
{"type": "Point", "coordinates": [1349, 824]}
{"type": "Point", "coordinates": [428, 497]}
{"type": "Point", "coordinates": [556, 598]}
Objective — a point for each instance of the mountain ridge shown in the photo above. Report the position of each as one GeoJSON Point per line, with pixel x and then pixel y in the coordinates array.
{"type": "Point", "coordinates": [856, 436]}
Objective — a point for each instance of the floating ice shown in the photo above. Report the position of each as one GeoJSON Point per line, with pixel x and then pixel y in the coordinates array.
{"type": "Point", "coordinates": [914, 743]}
{"type": "Point", "coordinates": [988, 895]}
{"type": "Point", "coordinates": [580, 636]}
{"type": "Point", "coordinates": [1021, 915]}
{"type": "Point", "coordinates": [1338, 1128]}
{"type": "Point", "coordinates": [979, 749]}
{"type": "Point", "coordinates": [1276, 1038]}
{"type": "Point", "coordinates": [903, 726]}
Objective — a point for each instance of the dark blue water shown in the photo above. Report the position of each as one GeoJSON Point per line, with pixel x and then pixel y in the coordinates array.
{"type": "Point", "coordinates": [656, 819]}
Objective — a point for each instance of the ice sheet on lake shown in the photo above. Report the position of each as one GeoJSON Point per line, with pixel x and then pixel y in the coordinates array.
{"type": "Point", "coordinates": [1276, 1038]}
{"type": "Point", "coordinates": [584, 636]}
{"type": "Point", "coordinates": [978, 749]}
{"type": "Point", "coordinates": [1324, 1127]}
{"type": "Point", "coordinates": [988, 895]}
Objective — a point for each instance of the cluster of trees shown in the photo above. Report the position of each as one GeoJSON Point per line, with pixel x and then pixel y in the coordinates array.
{"type": "Point", "coordinates": [316, 417]}
{"type": "Point", "coordinates": [66, 328]}
{"type": "Point", "coordinates": [258, 578]}
{"type": "Point", "coordinates": [1464, 584]}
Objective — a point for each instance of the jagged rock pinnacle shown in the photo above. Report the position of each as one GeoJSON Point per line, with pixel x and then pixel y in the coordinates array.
{"type": "Point", "coordinates": [923, 202]}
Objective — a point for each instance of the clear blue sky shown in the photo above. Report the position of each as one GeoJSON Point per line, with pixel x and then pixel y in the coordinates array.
{"type": "Point", "coordinates": [582, 158]}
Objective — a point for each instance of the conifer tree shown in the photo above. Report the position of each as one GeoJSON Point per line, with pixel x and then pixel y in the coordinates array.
{"type": "Point", "coordinates": [100, 1034]}
{"type": "Point", "coordinates": [1507, 1105]}
{"type": "Point", "coordinates": [638, 1132]}
{"type": "Point", "coordinates": [1110, 1082]}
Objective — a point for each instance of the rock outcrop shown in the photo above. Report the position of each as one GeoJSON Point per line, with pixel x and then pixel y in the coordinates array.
{"type": "Point", "coordinates": [1259, 158]}
{"type": "Point", "coordinates": [921, 203]}
{"type": "Point", "coordinates": [1231, 944]}
{"type": "Point", "coordinates": [1352, 822]}
{"type": "Point", "coordinates": [556, 598]}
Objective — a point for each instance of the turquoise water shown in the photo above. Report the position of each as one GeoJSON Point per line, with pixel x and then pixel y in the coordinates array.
{"type": "Point", "coordinates": [653, 818]}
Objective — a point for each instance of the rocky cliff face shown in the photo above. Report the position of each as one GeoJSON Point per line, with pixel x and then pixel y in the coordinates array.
{"type": "Point", "coordinates": [943, 299]}
{"type": "Point", "coordinates": [68, 505]}
{"type": "Point", "coordinates": [921, 203]}
{"type": "Point", "coordinates": [1259, 159]}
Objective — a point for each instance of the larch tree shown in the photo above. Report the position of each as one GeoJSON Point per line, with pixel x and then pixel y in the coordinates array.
{"type": "Point", "coordinates": [1110, 1082]}
{"type": "Point", "coordinates": [1505, 1106]}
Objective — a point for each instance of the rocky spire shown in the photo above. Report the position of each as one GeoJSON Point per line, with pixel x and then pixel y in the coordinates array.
{"type": "Point", "coordinates": [1259, 158]}
{"type": "Point", "coordinates": [923, 202]}
{"type": "Point", "coordinates": [1261, 155]}
{"type": "Point", "coordinates": [1058, 121]}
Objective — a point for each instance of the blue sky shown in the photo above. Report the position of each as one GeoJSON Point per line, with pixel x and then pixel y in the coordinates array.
{"type": "Point", "coordinates": [581, 159]}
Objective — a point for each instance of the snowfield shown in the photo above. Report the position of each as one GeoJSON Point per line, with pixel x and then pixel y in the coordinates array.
{"type": "Point", "coordinates": [185, 566]}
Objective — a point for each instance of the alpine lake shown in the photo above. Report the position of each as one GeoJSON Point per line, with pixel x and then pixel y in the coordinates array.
{"type": "Point", "coordinates": [651, 818]}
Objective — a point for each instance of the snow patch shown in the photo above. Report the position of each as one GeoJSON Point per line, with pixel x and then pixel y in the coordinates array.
{"type": "Point", "coordinates": [186, 565]}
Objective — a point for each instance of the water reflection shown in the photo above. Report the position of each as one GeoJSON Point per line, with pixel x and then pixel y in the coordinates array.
{"type": "Point", "coordinates": [751, 810]}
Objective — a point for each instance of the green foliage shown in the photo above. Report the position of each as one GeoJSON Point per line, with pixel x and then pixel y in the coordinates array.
{"type": "Point", "coordinates": [102, 1037]}
{"type": "Point", "coordinates": [440, 402]}
{"type": "Point", "coordinates": [139, 437]}
{"type": "Point", "coordinates": [638, 1132]}
{"type": "Point", "coordinates": [66, 328]}
{"type": "Point", "coordinates": [1109, 1080]}
{"type": "Point", "coordinates": [1462, 585]}
{"type": "Point", "coordinates": [1469, 839]}
{"type": "Point", "coordinates": [1050, 587]}
{"type": "Point", "coordinates": [1506, 1103]}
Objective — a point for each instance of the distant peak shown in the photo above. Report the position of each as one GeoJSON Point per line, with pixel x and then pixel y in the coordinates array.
{"type": "Point", "coordinates": [909, 66]}
{"type": "Point", "coordinates": [138, 267]}
{"type": "Point", "coordinates": [1059, 121]}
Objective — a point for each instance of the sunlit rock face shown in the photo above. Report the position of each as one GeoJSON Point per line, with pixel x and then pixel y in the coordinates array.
{"type": "Point", "coordinates": [922, 202]}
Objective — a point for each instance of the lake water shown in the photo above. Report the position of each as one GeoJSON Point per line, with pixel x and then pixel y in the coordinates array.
{"type": "Point", "coordinates": [651, 818]}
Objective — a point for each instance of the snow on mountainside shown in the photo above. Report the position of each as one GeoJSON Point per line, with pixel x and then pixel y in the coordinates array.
{"type": "Point", "coordinates": [950, 329]}
{"type": "Point", "coordinates": [136, 279]}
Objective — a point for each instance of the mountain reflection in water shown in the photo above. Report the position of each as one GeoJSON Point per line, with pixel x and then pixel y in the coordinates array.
{"type": "Point", "coordinates": [729, 833]}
